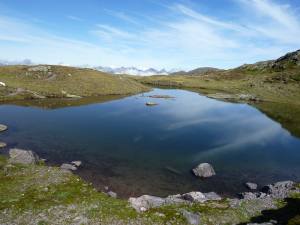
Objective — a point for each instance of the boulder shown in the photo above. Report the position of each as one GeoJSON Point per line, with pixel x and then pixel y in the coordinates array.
{"type": "Point", "coordinates": [112, 194]}
{"type": "Point", "coordinates": [194, 196]}
{"type": "Point", "coordinates": [2, 144]}
{"type": "Point", "coordinates": [175, 199]}
{"type": "Point", "coordinates": [2, 84]}
{"type": "Point", "coordinates": [66, 166]}
{"type": "Point", "coordinates": [146, 202]}
{"type": "Point", "coordinates": [3, 127]}
{"type": "Point", "coordinates": [191, 218]}
{"type": "Point", "coordinates": [279, 189]}
{"type": "Point", "coordinates": [251, 186]}
{"type": "Point", "coordinates": [76, 163]}
{"type": "Point", "coordinates": [20, 156]}
{"type": "Point", "coordinates": [204, 170]}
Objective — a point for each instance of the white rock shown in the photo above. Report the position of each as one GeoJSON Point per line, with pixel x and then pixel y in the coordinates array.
{"type": "Point", "coordinates": [3, 127]}
{"type": "Point", "coordinates": [20, 156]}
{"type": "Point", "coordinates": [146, 202]}
{"type": "Point", "coordinates": [66, 166]}
{"type": "Point", "coordinates": [76, 163]}
{"type": "Point", "coordinates": [204, 170]}
{"type": "Point", "coordinates": [2, 84]}
{"type": "Point", "coordinates": [194, 196]}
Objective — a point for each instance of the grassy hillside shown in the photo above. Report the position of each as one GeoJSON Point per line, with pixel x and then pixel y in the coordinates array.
{"type": "Point", "coordinates": [26, 82]}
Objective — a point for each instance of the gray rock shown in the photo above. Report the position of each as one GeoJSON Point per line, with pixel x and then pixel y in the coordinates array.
{"type": "Point", "coordinates": [76, 163]}
{"type": "Point", "coordinates": [254, 195]}
{"type": "Point", "coordinates": [251, 186]}
{"type": "Point", "coordinates": [40, 68]}
{"type": "Point", "coordinates": [112, 194]}
{"type": "Point", "coordinates": [212, 196]}
{"type": "Point", "coordinates": [192, 218]}
{"type": "Point", "coordinates": [66, 166]}
{"type": "Point", "coordinates": [194, 196]}
{"type": "Point", "coordinates": [3, 127]}
{"type": "Point", "coordinates": [175, 199]}
{"type": "Point", "coordinates": [2, 145]}
{"type": "Point", "coordinates": [279, 189]}
{"type": "Point", "coordinates": [204, 170]}
{"type": "Point", "coordinates": [151, 104]}
{"type": "Point", "coordinates": [20, 156]}
{"type": "Point", "coordinates": [146, 202]}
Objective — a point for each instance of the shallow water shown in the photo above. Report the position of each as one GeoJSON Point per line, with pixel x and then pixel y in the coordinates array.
{"type": "Point", "coordinates": [135, 149]}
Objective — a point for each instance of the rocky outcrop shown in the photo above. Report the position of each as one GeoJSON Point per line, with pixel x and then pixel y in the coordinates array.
{"type": "Point", "coordinates": [40, 68]}
{"type": "Point", "coordinates": [20, 156]}
{"type": "Point", "coordinates": [279, 189]}
{"type": "Point", "coordinates": [145, 202]}
{"type": "Point", "coordinates": [204, 170]}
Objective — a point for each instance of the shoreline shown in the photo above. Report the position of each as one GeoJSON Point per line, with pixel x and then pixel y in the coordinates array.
{"type": "Point", "coordinates": [271, 197]}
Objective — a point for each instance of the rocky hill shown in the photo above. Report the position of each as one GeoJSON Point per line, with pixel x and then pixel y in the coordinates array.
{"type": "Point", "coordinates": [198, 71]}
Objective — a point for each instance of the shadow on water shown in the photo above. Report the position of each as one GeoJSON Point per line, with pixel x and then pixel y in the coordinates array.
{"type": "Point", "coordinates": [289, 214]}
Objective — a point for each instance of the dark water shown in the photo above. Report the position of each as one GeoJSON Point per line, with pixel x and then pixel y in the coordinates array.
{"type": "Point", "coordinates": [135, 149]}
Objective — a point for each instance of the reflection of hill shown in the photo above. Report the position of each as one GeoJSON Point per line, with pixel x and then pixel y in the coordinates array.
{"type": "Point", "coordinates": [55, 103]}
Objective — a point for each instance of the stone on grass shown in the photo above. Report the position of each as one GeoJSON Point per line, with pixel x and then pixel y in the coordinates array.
{"type": "Point", "coordinates": [251, 186]}
{"type": "Point", "coordinates": [191, 218]}
{"type": "Point", "coordinates": [20, 156]}
{"type": "Point", "coordinates": [204, 170]}
{"type": "Point", "coordinates": [3, 127]}
{"type": "Point", "coordinates": [212, 196]}
{"type": "Point", "coordinates": [66, 166]}
{"type": "Point", "coordinates": [112, 194]}
{"type": "Point", "coordinates": [2, 84]}
{"type": "Point", "coordinates": [145, 202]}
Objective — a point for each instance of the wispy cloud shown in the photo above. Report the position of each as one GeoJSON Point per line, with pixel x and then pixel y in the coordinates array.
{"type": "Point", "coordinates": [75, 18]}
{"type": "Point", "coordinates": [185, 37]}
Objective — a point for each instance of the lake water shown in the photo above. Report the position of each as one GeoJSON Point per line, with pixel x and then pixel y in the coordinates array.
{"type": "Point", "coordinates": [135, 149]}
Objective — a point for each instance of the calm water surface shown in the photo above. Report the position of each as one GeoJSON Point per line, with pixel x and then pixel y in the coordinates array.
{"type": "Point", "coordinates": [135, 149]}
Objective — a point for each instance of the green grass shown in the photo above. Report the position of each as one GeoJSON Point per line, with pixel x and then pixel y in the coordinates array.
{"type": "Point", "coordinates": [60, 81]}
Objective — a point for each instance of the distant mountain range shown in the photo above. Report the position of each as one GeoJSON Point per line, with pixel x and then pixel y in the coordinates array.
{"type": "Point", "coordinates": [133, 71]}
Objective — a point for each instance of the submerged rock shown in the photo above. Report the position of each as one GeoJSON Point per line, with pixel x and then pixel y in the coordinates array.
{"type": "Point", "coordinates": [66, 166]}
{"type": "Point", "coordinates": [191, 218]}
{"type": "Point", "coordinates": [204, 170]}
{"type": "Point", "coordinates": [2, 145]}
{"type": "Point", "coordinates": [146, 202]}
{"type": "Point", "coordinates": [20, 156]}
{"type": "Point", "coordinates": [251, 186]}
{"type": "Point", "coordinates": [3, 127]}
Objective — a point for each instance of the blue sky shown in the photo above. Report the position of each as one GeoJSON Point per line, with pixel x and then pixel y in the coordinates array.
{"type": "Point", "coordinates": [148, 33]}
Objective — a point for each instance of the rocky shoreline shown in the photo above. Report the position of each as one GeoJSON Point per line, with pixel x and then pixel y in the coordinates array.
{"type": "Point", "coordinates": [251, 203]}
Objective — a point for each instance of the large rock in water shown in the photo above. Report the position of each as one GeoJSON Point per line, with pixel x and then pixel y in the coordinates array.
{"type": "Point", "coordinates": [3, 127]}
{"type": "Point", "coordinates": [20, 156]}
{"type": "Point", "coordinates": [204, 170]}
{"type": "Point", "coordinates": [146, 202]}
{"type": "Point", "coordinates": [2, 144]}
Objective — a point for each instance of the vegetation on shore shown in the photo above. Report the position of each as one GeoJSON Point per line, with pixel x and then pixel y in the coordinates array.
{"type": "Point", "coordinates": [38, 194]}
{"type": "Point", "coordinates": [44, 81]}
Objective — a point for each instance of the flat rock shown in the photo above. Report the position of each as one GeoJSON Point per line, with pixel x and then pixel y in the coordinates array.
{"type": "Point", "coordinates": [66, 166]}
{"type": "Point", "coordinates": [3, 127]}
{"type": "Point", "coordinates": [2, 145]}
{"type": "Point", "coordinates": [212, 196]}
{"type": "Point", "coordinates": [204, 170]}
{"type": "Point", "coordinates": [20, 156]}
{"type": "Point", "coordinates": [251, 186]}
{"type": "Point", "coordinates": [191, 218]}
{"type": "Point", "coordinates": [194, 196]}
{"type": "Point", "coordinates": [146, 202]}
{"type": "Point", "coordinates": [151, 104]}
{"type": "Point", "coordinates": [76, 163]}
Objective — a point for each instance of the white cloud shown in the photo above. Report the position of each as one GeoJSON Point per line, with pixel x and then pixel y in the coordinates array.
{"type": "Point", "coordinates": [75, 18]}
